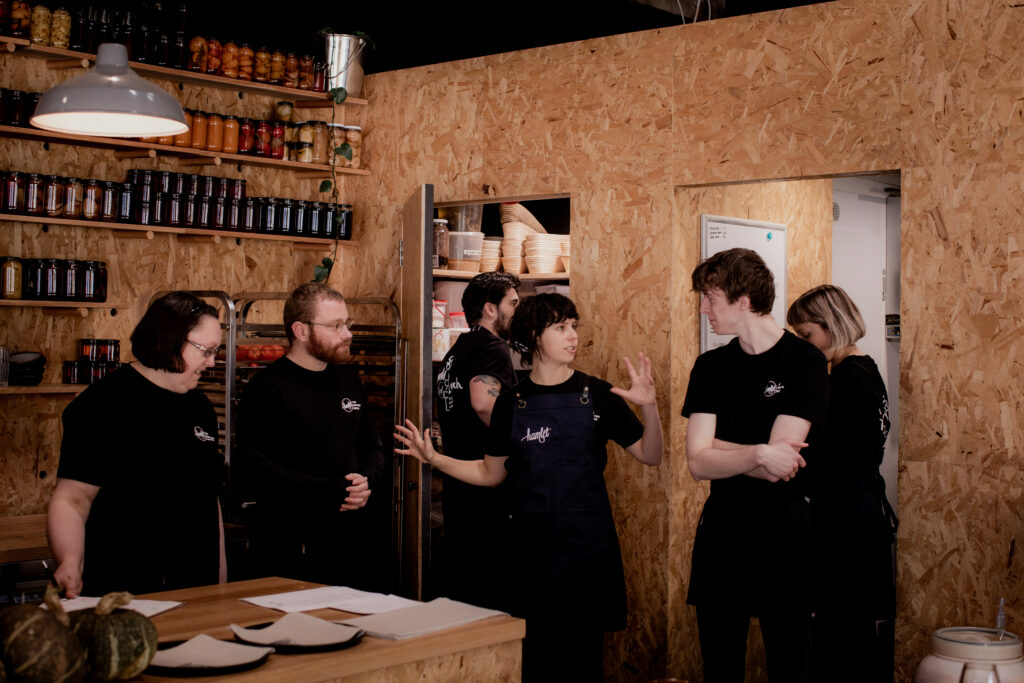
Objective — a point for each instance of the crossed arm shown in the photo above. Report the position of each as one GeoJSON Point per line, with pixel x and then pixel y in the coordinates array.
{"type": "Point", "coordinates": [711, 458]}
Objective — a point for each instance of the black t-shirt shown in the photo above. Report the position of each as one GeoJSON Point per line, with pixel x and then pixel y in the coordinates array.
{"type": "Point", "coordinates": [857, 424]}
{"type": "Point", "coordinates": [300, 432]}
{"type": "Point", "coordinates": [615, 421]}
{"type": "Point", "coordinates": [153, 525]}
{"type": "Point", "coordinates": [475, 353]}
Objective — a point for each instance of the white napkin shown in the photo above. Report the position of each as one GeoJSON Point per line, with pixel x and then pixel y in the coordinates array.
{"type": "Point", "coordinates": [206, 652]}
{"type": "Point", "coordinates": [298, 629]}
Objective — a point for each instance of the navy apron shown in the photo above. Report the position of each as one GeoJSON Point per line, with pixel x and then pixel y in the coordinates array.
{"type": "Point", "coordinates": [567, 551]}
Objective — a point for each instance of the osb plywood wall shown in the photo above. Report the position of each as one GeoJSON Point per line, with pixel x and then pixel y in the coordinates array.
{"type": "Point", "coordinates": [30, 426]}
{"type": "Point", "coordinates": [930, 87]}
{"type": "Point", "coordinates": [805, 207]}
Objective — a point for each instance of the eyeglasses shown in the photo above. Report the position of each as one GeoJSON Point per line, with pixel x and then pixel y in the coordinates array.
{"type": "Point", "coordinates": [334, 326]}
{"type": "Point", "coordinates": [208, 352]}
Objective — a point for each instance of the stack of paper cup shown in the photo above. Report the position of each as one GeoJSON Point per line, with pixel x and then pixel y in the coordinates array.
{"type": "Point", "coordinates": [564, 258]}
{"type": "Point", "coordinates": [490, 254]}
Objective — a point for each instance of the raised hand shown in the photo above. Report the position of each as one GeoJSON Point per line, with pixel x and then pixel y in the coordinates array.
{"type": "Point", "coordinates": [416, 445]}
{"type": "Point", "coordinates": [641, 382]}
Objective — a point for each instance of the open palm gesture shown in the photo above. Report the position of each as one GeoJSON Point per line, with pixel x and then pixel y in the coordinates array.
{"type": "Point", "coordinates": [641, 382]}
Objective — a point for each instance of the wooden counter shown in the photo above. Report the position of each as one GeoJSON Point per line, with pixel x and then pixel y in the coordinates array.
{"type": "Point", "coordinates": [23, 538]}
{"type": "Point", "coordinates": [489, 650]}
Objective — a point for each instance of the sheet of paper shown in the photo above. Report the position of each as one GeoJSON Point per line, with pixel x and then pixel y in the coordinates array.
{"type": "Point", "coordinates": [149, 608]}
{"type": "Point", "coordinates": [205, 652]}
{"type": "Point", "coordinates": [335, 597]}
{"type": "Point", "coordinates": [298, 630]}
{"type": "Point", "coordinates": [427, 617]}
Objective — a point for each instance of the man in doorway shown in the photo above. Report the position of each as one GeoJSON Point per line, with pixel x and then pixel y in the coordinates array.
{"type": "Point", "coordinates": [309, 448]}
{"type": "Point", "coordinates": [474, 371]}
{"type": "Point", "coordinates": [756, 408]}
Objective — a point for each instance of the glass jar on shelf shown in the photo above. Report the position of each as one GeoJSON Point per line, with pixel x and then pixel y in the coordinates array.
{"type": "Point", "coordinates": [314, 223]}
{"type": "Point", "coordinates": [204, 212]}
{"type": "Point", "coordinates": [246, 136]}
{"type": "Point", "coordinates": [291, 132]}
{"type": "Point", "coordinates": [284, 110]}
{"type": "Point", "coordinates": [214, 133]}
{"type": "Point", "coordinates": [220, 213]}
{"type": "Point", "coordinates": [354, 137]}
{"type": "Point", "coordinates": [262, 145]}
{"type": "Point", "coordinates": [214, 51]}
{"type": "Point", "coordinates": [175, 210]}
{"type": "Point", "coordinates": [250, 215]}
{"type": "Point", "coordinates": [336, 138]}
{"type": "Point", "coordinates": [40, 25]}
{"type": "Point", "coordinates": [198, 130]}
{"type": "Point", "coordinates": [60, 28]}
{"type": "Point", "coordinates": [108, 210]}
{"type": "Point", "coordinates": [300, 219]}
{"type": "Point", "coordinates": [320, 142]}
{"type": "Point", "coordinates": [304, 152]}
{"type": "Point", "coordinates": [14, 192]}
{"type": "Point", "coordinates": [229, 60]}
{"type": "Point", "coordinates": [207, 186]}
{"type": "Point", "coordinates": [185, 139]}
{"type": "Point", "coordinates": [268, 222]}
{"type": "Point", "coordinates": [261, 65]}
{"type": "Point", "coordinates": [237, 190]}
{"type": "Point", "coordinates": [71, 279]}
{"type": "Point", "coordinates": [164, 179]}
{"type": "Point", "coordinates": [277, 141]}
{"type": "Point", "coordinates": [320, 77]}
{"type": "Point", "coordinates": [291, 71]}
{"type": "Point", "coordinates": [198, 54]}
{"type": "Point", "coordinates": [234, 219]}
{"type": "Point", "coordinates": [165, 140]}
{"type": "Point", "coordinates": [230, 135]}
{"type": "Point", "coordinates": [54, 196]}
{"type": "Point", "coordinates": [126, 203]}
{"type": "Point", "coordinates": [246, 59]}
{"type": "Point", "coordinates": [305, 133]}
{"type": "Point", "coordinates": [286, 215]}
{"type": "Point", "coordinates": [306, 72]}
{"type": "Point", "coordinates": [72, 198]}
{"type": "Point", "coordinates": [11, 271]}
{"type": "Point", "coordinates": [20, 19]}
{"type": "Point", "coordinates": [180, 55]}
{"type": "Point", "coordinates": [158, 206]}
{"type": "Point", "coordinates": [51, 281]}
{"type": "Point", "coordinates": [222, 187]}
{"type": "Point", "coordinates": [35, 195]}
{"type": "Point", "coordinates": [277, 60]}
{"type": "Point", "coordinates": [189, 207]}
{"type": "Point", "coordinates": [92, 199]}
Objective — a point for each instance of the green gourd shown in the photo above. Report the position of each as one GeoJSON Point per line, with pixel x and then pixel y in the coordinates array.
{"type": "Point", "coordinates": [119, 643]}
{"type": "Point", "coordinates": [36, 645]}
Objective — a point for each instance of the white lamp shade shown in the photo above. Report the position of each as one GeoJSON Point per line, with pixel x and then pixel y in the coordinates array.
{"type": "Point", "coordinates": [110, 100]}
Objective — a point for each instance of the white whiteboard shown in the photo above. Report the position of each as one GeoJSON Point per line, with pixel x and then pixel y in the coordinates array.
{"type": "Point", "coordinates": [718, 233]}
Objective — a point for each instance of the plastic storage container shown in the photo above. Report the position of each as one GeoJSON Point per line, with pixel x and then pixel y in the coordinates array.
{"type": "Point", "coordinates": [972, 655]}
{"type": "Point", "coordinates": [464, 250]}
{"type": "Point", "coordinates": [466, 218]}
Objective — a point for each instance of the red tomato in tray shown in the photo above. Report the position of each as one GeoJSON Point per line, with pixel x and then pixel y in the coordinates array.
{"type": "Point", "coordinates": [271, 351]}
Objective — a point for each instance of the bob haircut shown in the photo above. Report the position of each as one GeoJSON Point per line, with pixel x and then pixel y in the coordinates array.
{"type": "Point", "coordinates": [534, 315]}
{"type": "Point", "coordinates": [159, 338]}
{"type": "Point", "coordinates": [486, 288]}
{"type": "Point", "coordinates": [301, 304]}
{"type": "Point", "coordinates": [833, 309]}
{"type": "Point", "coordinates": [737, 272]}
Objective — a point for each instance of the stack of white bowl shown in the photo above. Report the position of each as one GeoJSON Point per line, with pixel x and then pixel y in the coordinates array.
{"type": "Point", "coordinates": [542, 253]}
{"type": "Point", "coordinates": [564, 258]}
{"type": "Point", "coordinates": [512, 245]}
{"type": "Point", "coordinates": [490, 254]}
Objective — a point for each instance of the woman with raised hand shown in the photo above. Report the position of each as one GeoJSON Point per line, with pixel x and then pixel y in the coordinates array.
{"type": "Point", "coordinates": [548, 435]}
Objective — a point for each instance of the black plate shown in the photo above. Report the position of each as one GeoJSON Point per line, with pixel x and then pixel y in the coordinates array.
{"type": "Point", "coordinates": [303, 649]}
{"type": "Point", "coordinates": [193, 672]}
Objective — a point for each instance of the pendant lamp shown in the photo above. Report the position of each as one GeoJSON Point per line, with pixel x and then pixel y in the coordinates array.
{"type": "Point", "coordinates": [110, 100]}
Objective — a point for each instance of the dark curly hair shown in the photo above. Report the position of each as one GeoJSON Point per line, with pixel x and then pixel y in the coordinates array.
{"type": "Point", "coordinates": [737, 272]}
{"type": "Point", "coordinates": [486, 288]}
{"type": "Point", "coordinates": [534, 315]}
{"type": "Point", "coordinates": [159, 338]}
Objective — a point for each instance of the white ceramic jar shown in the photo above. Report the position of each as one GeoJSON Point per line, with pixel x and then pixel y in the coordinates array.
{"type": "Point", "coordinates": [972, 655]}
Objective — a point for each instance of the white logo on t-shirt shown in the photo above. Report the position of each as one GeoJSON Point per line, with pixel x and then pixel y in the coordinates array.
{"type": "Point", "coordinates": [348, 405]}
{"type": "Point", "coordinates": [539, 436]}
{"type": "Point", "coordinates": [447, 385]}
{"type": "Point", "coordinates": [201, 434]}
{"type": "Point", "coordinates": [772, 389]}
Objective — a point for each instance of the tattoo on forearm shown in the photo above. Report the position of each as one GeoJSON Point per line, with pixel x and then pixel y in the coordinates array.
{"type": "Point", "coordinates": [493, 385]}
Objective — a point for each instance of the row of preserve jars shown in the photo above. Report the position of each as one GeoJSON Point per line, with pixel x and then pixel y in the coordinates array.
{"type": "Point", "coordinates": [52, 279]}
{"type": "Point", "coordinates": [54, 196]}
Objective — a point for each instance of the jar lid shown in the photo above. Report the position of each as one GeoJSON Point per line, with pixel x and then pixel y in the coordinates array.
{"type": "Point", "coordinates": [441, 220]}
{"type": "Point", "coordinates": [337, 125]}
{"type": "Point", "coordinates": [975, 643]}
{"type": "Point", "coordinates": [354, 127]}
{"type": "Point", "coordinates": [288, 102]}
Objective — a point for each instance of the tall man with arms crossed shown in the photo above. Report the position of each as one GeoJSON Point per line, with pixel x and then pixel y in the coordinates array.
{"type": "Point", "coordinates": [756, 408]}
{"type": "Point", "coordinates": [476, 369]}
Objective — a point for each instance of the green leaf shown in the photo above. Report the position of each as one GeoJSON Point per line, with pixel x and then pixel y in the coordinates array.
{"type": "Point", "coordinates": [326, 185]}
{"type": "Point", "coordinates": [345, 150]}
{"type": "Point", "coordinates": [328, 262]}
{"type": "Point", "coordinates": [320, 274]}
{"type": "Point", "coordinates": [339, 95]}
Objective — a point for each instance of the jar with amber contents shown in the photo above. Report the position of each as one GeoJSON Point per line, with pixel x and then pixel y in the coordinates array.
{"type": "Point", "coordinates": [304, 152]}
{"type": "Point", "coordinates": [35, 195]}
{"type": "Point", "coordinates": [306, 72]}
{"type": "Point", "coordinates": [246, 136]}
{"type": "Point", "coordinates": [284, 111]}
{"type": "Point", "coordinates": [20, 18]}
{"type": "Point", "coordinates": [320, 142]}
{"type": "Point", "coordinates": [261, 65]}
{"type": "Point", "coordinates": [277, 141]}
{"type": "Point", "coordinates": [54, 196]}
{"type": "Point", "coordinates": [291, 71]}
{"type": "Point", "coordinates": [291, 132]}
{"type": "Point", "coordinates": [72, 198]}
{"type": "Point", "coordinates": [214, 133]}
{"type": "Point", "coordinates": [354, 137]}
{"type": "Point", "coordinates": [11, 271]}
{"type": "Point", "coordinates": [261, 147]}
{"type": "Point", "coordinates": [230, 135]}
{"type": "Point", "coordinates": [198, 130]}
{"type": "Point", "coordinates": [214, 51]}
{"type": "Point", "coordinates": [60, 28]}
{"type": "Point", "coordinates": [306, 132]}
{"type": "Point", "coordinates": [277, 60]}
{"type": "Point", "coordinates": [40, 27]}
{"type": "Point", "coordinates": [198, 54]}
{"type": "Point", "coordinates": [336, 131]}
{"type": "Point", "coordinates": [165, 140]}
{"type": "Point", "coordinates": [108, 210]}
{"type": "Point", "coordinates": [14, 192]}
{"type": "Point", "coordinates": [245, 62]}
{"type": "Point", "coordinates": [92, 200]}
{"type": "Point", "coordinates": [185, 139]}
{"type": "Point", "coordinates": [320, 77]}
{"type": "Point", "coordinates": [229, 60]}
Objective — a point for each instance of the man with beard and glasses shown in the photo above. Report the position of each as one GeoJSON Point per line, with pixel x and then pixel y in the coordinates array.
{"type": "Point", "coordinates": [308, 450]}
{"type": "Point", "coordinates": [476, 369]}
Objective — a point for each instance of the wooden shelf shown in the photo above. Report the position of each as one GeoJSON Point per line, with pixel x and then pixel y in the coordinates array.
{"type": "Point", "coordinates": [468, 275]}
{"type": "Point", "coordinates": [44, 389]}
{"type": "Point", "coordinates": [187, 155]}
{"type": "Point", "coordinates": [23, 538]}
{"type": "Point", "coordinates": [56, 54]}
{"type": "Point", "coordinates": [38, 303]}
{"type": "Point", "coordinates": [148, 231]}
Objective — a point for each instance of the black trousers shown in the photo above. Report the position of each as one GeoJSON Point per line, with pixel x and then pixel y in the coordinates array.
{"type": "Point", "coordinates": [554, 652]}
{"type": "Point", "coordinates": [723, 644]}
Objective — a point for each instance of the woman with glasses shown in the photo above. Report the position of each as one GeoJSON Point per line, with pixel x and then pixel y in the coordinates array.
{"type": "Point", "coordinates": [548, 435]}
{"type": "Point", "coordinates": [135, 507]}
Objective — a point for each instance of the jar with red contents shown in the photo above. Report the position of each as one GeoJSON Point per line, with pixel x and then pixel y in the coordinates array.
{"type": "Point", "coordinates": [277, 141]}
{"type": "Point", "coordinates": [213, 56]}
{"type": "Point", "coordinates": [246, 136]}
{"type": "Point", "coordinates": [263, 134]}
{"type": "Point", "coordinates": [89, 349]}
{"type": "Point", "coordinates": [109, 350]}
